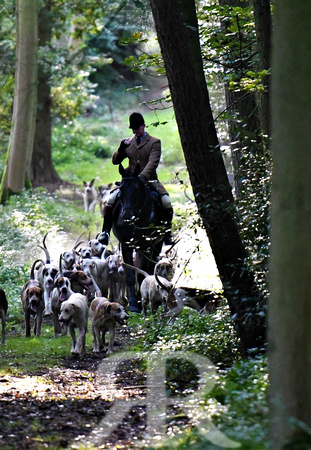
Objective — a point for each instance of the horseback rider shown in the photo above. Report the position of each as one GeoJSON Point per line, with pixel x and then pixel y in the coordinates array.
{"type": "Point", "coordinates": [144, 150]}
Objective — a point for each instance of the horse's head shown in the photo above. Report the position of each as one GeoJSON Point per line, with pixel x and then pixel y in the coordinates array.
{"type": "Point", "coordinates": [128, 173]}
{"type": "Point", "coordinates": [134, 194]}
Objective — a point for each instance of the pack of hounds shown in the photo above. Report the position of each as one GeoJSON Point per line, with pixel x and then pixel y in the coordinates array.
{"type": "Point", "coordinates": [89, 283]}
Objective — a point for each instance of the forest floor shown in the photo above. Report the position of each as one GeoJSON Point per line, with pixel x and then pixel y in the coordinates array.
{"type": "Point", "coordinates": [64, 407]}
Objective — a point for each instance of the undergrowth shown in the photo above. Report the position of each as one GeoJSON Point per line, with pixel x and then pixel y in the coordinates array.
{"type": "Point", "coordinates": [235, 396]}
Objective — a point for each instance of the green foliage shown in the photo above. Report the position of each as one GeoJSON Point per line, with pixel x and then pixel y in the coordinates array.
{"type": "Point", "coordinates": [146, 63]}
{"type": "Point", "coordinates": [252, 82]}
{"type": "Point", "coordinates": [78, 153]}
{"type": "Point", "coordinates": [243, 390]}
{"type": "Point", "coordinates": [7, 64]}
{"type": "Point", "coordinates": [237, 404]}
{"type": "Point", "coordinates": [212, 335]}
{"type": "Point", "coordinates": [227, 40]}
{"type": "Point", "coordinates": [71, 95]}
{"type": "Point", "coordinates": [110, 44]}
{"type": "Point", "coordinates": [254, 212]}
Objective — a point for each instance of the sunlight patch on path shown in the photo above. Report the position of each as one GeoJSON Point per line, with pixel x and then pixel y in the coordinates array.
{"type": "Point", "coordinates": [196, 265]}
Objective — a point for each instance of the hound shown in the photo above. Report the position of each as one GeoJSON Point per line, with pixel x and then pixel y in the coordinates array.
{"type": "Point", "coordinates": [61, 292]}
{"type": "Point", "coordinates": [152, 293]}
{"type": "Point", "coordinates": [74, 314]}
{"type": "Point", "coordinates": [103, 192]}
{"type": "Point", "coordinates": [85, 253]}
{"type": "Point", "coordinates": [104, 316]}
{"type": "Point", "coordinates": [33, 303]}
{"type": "Point", "coordinates": [69, 258]}
{"type": "Point", "coordinates": [164, 268]}
{"type": "Point", "coordinates": [116, 277]}
{"type": "Point", "coordinates": [176, 299]}
{"type": "Point", "coordinates": [79, 281]}
{"type": "Point", "coordinates": [97, 249]}
{"type": "Point", "coordinates": [90, 196]}
{"type": "Point", "coordinates": [46, 276]}
{"type": "Point", "coordinates": [98, 269]}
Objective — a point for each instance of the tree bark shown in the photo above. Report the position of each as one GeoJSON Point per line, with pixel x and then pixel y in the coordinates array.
{"type": "Point", "coordinates": [24, 107]}
{"type": "Point", "coordinates": [41, 170]}
{"type": "Point", "coordinates": [290, 263]}
{"type": "Point", "coordinates": [243, 117]}
{"type": "Point", "coordinates": [177, 30]}
{"type": "Point", "coordinates": [263, 25]}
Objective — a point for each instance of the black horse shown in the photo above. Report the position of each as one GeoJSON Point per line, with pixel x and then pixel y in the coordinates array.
{"type": "Point", "coordinates": [137, 226]}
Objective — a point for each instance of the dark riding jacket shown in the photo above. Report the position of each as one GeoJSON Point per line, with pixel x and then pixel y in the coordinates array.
{"type": "Point", "coordinates": [147, 154]}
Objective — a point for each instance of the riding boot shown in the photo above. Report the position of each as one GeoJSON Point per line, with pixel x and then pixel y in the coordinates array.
{"type": "Point", "coordinates": [167, 217]}
{"type": "Point", "coordinates": [107, 225]}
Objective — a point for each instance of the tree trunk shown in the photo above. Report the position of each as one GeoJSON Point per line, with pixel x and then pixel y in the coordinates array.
{"type": "Point", "coordinates": [24, 107]}
{"type": "Point", "coordinates": [290, 263]}
{"type": "Point", "coordinates": [177, 30]}
{"type": "Point", "coordinates": [41, 170]}
{"type": "Point", "coordinates": [263, 25]}
{"type": "Point", "coordinates": [243, 117]}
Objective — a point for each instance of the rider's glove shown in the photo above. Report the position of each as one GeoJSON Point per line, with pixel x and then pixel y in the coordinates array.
{"type": "Point", "coordinates": [123, 146]}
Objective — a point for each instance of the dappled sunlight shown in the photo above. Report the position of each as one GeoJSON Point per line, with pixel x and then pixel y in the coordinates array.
{"type": "Point", "coordinates": [195, 265]}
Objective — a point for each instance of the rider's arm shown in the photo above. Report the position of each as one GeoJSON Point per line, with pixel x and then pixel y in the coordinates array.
{"type": "Point", "coordinates": [120, 154]}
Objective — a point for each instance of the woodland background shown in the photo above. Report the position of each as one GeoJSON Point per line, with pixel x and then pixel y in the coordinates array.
{"type": "Point", "coordinates": [70, 74]}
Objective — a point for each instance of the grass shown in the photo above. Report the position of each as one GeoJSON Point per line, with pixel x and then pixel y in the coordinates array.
{"type": "Point", "coordinates": [26, 355]}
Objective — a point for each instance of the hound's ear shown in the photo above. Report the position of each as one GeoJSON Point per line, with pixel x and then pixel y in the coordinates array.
{"type": "Point", "coordinates": [84, 182]}
{"type": "Point", "coordinates": [108, 309]}
{"type": "Point", "coordinates": [92, 182]}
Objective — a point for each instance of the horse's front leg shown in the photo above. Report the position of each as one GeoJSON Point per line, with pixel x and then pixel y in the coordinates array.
{"type": "Point", "coordinates": [130, 279]}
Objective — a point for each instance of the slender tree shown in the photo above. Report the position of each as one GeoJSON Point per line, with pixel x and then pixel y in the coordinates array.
{"type": "Point", "coordinates": [24, 108]}
{"type": "Point", "coordinates": [177, 31]}
{"type": "Point", "coordinates": [243, 51]}
{"type": "Point", "coordinates": [41, 169]}
{"type": "Point", "coordinates": [289, 306]}
{"type": "Point", "coordinates": [243, 117]}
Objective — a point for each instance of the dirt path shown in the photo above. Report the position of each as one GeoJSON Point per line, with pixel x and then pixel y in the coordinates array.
{"type": "Point", "coordinates": [63, 407]}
